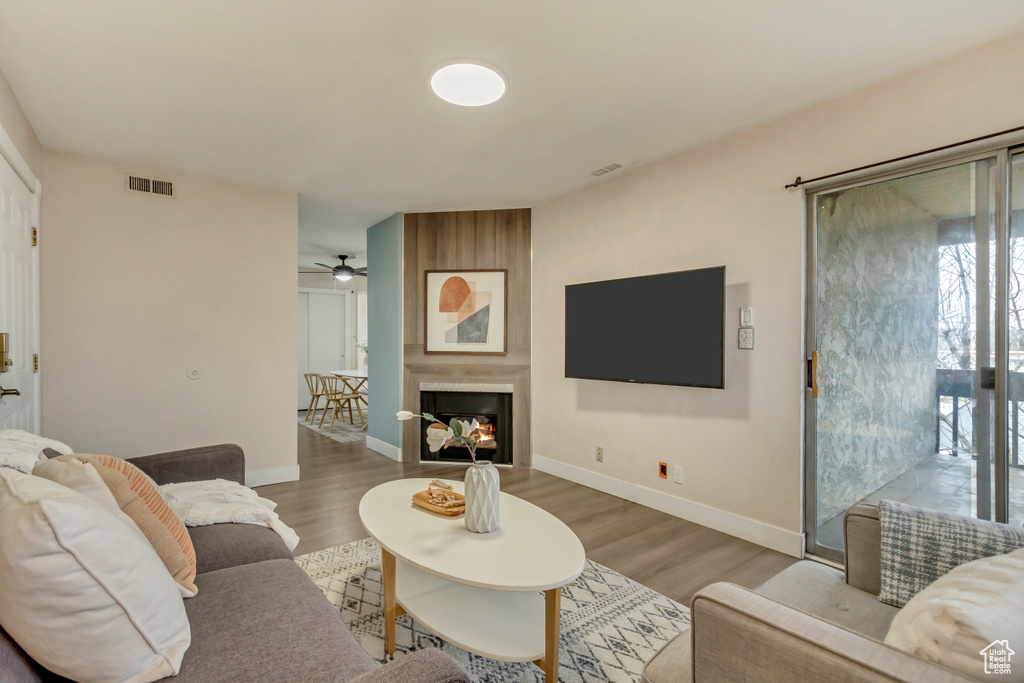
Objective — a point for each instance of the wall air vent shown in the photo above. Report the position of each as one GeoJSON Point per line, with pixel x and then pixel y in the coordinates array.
{"type": "Point", "coordinates": [149, 186]}
{"type": "Point", "coordinates": [139, 184]}
{"type": "Point", "coordinates": [606, 169]}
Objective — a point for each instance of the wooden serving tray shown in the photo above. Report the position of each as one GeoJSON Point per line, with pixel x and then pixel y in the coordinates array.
{"type": "Point", "coordinates": [421, 500]}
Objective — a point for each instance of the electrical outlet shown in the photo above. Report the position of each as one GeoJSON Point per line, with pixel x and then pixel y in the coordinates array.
{"type": "Point", "coordinates": [746, 338]}
{"type": "Point", "coordinates": [677, 474]}
{"type": "Point", "coordinates": [663, 470]}
{"type": "Point", "coordinates": [599, 454]}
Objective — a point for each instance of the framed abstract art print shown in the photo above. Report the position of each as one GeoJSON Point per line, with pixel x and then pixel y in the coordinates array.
{"type": "Point", "coordinates": [466, 311]}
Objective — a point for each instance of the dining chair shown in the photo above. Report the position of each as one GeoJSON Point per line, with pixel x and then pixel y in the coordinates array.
{"type": "Point", "coordinates": [338, 396]}
{"type": "Point", "coordinates": [313, 384]}
{"type": "Point", "coordinates": [356, 388]}
{"type": "Point", "coordinates": [363, 397]}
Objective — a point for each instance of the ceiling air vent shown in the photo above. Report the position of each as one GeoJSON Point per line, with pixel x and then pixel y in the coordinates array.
{"type": "Point", "coordinates": [606, 169]}
{"type": "Point", "coordinates": [149, 186]}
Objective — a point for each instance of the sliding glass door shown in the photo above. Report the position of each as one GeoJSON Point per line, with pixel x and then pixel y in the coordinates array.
{"type": "Point", "coordinates": [916, 344]}
{"type": "Point", "coordinates": [1014, 484]}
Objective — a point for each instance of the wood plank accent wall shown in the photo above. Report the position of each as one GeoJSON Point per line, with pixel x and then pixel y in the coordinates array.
{"type": "Point", "coordinates": [469, 240]}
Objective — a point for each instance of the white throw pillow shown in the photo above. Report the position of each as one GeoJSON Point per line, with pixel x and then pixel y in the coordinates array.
{"type": "Point", "coordinates": [82, 477]}
{"type": "Point", "coordinates": [962, 613]}
{"type": "Point", "coordinates": [81, 591]}
{"type": "Point", "coordinates": [77, 475]}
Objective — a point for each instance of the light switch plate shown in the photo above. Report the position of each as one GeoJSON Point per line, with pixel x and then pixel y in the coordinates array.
{"type": "Point", "coordinates": [746, 337]}
{"type": "Point", "coordinates": [746, 317]}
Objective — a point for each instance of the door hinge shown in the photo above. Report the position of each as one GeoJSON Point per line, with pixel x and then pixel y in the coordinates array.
{"type": "Point", "coordinates": [35, 237]}
{"type": "Point", "coordinates": [35, 362]}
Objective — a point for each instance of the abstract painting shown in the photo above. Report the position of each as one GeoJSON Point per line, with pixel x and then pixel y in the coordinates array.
{"type": "Point", "coordinates": [465, 311]}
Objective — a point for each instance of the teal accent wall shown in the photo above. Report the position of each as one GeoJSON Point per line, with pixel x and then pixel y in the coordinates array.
{"type": "Point", "coordinates": [384, 322]}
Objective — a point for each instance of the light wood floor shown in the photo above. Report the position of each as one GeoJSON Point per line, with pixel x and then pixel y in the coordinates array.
{"type": "Point", "coordinates": [674, 557]}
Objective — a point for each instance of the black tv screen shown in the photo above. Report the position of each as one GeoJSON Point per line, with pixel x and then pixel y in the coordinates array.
{"type": "Point", "coordinates": [656, 329]}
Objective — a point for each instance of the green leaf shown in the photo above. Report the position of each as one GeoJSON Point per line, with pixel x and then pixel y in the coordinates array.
{"type": "Point", "coordinates": [456, 428]}
{"type": "Point", "coordinates": [430, 417]}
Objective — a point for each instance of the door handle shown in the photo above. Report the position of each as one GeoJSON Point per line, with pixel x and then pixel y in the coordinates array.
{"type": "Point", "coordinates": [9, 392]}
{"type": "Point", "coordinates": [812, 373]}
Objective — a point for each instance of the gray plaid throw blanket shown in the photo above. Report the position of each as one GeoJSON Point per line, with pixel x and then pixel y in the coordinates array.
{"type": "Point", "coordinates": [919, 546]}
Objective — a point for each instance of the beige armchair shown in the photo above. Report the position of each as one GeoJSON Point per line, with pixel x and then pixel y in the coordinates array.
{"type": "Point", "coordinates": [809, 623]}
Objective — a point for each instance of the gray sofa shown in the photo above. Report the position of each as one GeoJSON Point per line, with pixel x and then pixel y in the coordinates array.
{"type": "Point", "coordinates": [809, 623]}
{"type": "Point", "coordinates": [257, 615]}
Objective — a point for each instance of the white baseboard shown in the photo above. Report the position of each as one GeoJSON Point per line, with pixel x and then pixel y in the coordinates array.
{"type": "Point", "coordinates": [384, 448]}
{"type": "Point", "coordinates": [275, 475]}
{"type": "Point", "coordinates": [767, 535]}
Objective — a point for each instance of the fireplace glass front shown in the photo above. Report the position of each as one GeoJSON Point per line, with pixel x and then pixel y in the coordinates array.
{"type": "Point", "coordinates": [493, 411]}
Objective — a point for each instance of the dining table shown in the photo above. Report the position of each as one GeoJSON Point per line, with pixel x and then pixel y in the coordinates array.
{"type": "Point", "coordinates": [353, 379]}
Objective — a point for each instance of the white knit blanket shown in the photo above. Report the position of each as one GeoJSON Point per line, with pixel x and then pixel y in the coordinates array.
{"type": "Point", "coordinates": [20, 450]}
{"type": "Point", "coordinates": [217, 501]}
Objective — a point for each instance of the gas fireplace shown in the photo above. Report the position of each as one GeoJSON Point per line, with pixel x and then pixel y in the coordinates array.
{"type": "Point", "coordinates": [493, 411]}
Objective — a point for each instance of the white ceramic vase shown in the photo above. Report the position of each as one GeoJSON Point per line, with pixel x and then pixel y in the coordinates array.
{"type": "Point", "coordinates": [483, 513]}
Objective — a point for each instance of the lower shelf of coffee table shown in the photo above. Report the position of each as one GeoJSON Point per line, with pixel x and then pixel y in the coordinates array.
{"type": "Point", "coordinates": [503, 625]}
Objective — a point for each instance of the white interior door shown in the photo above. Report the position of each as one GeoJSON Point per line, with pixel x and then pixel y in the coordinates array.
{"type": "Point", "coordinates": [321, 336]}
{"type": "Point", "coordinates": [18, 307]}
{"type": "Point", "coordinates": [326, 332]}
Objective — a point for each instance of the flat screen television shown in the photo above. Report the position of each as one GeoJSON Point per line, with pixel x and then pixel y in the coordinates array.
{"type": "Point", "coordinates": [656, 329]}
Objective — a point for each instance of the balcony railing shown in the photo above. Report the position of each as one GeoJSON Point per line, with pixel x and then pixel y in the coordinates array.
{"type": "Point", "coordinates": [960, 386]}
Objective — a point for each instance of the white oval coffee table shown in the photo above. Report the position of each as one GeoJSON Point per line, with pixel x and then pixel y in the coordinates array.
{"type": "Point", "coordinates": [497, 594]}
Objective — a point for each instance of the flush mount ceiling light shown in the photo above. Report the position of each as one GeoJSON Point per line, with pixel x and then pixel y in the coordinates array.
{"type": "Point", "coordinates": [468, 85]}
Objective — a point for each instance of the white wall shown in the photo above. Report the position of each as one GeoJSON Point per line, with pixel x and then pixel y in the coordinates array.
{"type": "Point", "coordinates": [18, 127]}
{"type": "Point", "coordinates": [741, 448]}
{"type": "Point", "coordinates": [138, 288]}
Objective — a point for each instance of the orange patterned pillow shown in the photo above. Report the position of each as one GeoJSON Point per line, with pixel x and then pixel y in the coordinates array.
{"type": "Point", "coordinates": [139, 498]}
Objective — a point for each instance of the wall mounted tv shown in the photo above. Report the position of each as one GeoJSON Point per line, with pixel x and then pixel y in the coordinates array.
{"type": "Point", "coordinates": [655, 329]}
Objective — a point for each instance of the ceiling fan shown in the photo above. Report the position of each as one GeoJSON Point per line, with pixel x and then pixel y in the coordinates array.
{"type": "Point", "coordinates": [344, 272]}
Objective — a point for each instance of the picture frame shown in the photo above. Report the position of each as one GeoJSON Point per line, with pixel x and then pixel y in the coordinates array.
{"type": "Point", "coordinates": [466, 312]}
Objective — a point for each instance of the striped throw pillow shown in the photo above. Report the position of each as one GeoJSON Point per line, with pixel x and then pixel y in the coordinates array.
{"type": "Point", "coordinates": [138, 497]}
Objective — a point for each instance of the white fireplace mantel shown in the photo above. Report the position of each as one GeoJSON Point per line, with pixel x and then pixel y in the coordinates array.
{"type": "Point", "coordinates": [475, 387]}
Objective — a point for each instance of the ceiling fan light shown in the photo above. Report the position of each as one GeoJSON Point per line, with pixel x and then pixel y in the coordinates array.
{"type": "Point", "coordinates": [344, 273]}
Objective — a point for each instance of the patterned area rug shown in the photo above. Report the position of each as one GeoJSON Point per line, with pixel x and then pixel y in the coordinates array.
{"type": "Point", "coordinates": [610, 625]}
{"type": "Point", "coordinates": [343, 432]}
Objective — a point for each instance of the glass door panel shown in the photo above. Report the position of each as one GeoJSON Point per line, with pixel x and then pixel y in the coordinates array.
{"type": "Point", "coordinates": [1015, 332]}
{"type": "Point", "coordinates": [901, 320]}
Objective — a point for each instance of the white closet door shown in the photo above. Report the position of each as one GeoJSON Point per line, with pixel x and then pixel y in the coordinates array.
{"type": "Point", "coordinates": [326, 332]}
{"type": "Point", "coordinates": [321, 337]}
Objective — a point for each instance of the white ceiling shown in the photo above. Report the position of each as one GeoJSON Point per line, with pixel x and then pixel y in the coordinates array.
{"type": "Point", "coordinates": [331, 98]}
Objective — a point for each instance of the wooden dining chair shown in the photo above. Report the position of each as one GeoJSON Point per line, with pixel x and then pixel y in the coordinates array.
{"type": "Point", "coordinates": [313, 384]}
{"type": "Point", "coordinates": [338, 395]}
{"type": "Point", "coordinates": [355, 387]}
{"type": "Point", "coordinates": [363, 397]}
